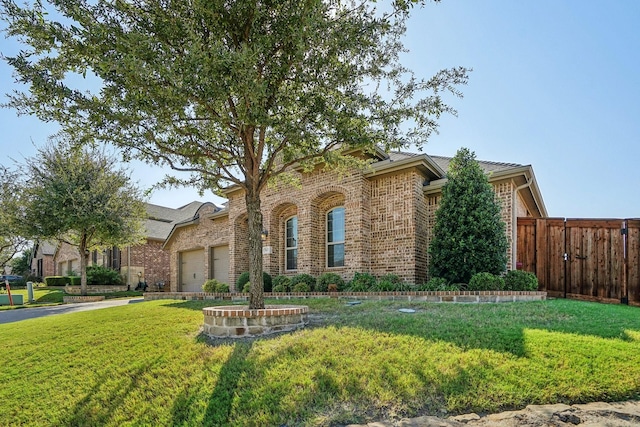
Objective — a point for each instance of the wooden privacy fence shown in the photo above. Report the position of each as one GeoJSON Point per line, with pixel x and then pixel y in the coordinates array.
{"type": "Point", "coordinates": [592, 259]}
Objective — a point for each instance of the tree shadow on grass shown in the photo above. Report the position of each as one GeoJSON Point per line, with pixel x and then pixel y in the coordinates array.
{"type": "Point", "coordinates": [104, 398]}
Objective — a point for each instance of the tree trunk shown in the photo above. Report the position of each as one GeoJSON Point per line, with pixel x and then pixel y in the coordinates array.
{"type": "Point", "coordinates": [84, 260]}
{"type": "Point", "coordinates": [256, 298]}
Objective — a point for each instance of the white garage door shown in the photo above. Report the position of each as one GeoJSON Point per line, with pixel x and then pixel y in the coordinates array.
{"type": "Point", "coordinates": [192, 271]}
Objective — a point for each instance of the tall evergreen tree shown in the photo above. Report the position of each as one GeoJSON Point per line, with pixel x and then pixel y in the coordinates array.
{"type": "Point", "coordinates": [469, 234]}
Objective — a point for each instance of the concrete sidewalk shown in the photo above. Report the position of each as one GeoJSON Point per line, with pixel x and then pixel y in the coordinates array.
{"type": "Point", "coordinates": [8, 316]}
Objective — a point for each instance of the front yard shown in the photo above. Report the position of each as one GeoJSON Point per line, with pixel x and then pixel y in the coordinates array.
{"type": "Point", "coordinates": [146, 364]}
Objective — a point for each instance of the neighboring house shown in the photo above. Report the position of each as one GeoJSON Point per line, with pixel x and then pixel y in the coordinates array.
{"type": "Point", "coordinates": [42, 259]}
{"type": "Point", "coordinates": [146, 262]}
{"type": "Point", "coordinates": [378, 221]}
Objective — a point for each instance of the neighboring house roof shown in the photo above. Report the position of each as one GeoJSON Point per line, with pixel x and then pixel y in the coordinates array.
{"type": "Point", "coordinates": [162, 219]}
{"type": "Point", "coordinates": [195, 218]}
{"type": "Point", "coordinates": [46, 247]}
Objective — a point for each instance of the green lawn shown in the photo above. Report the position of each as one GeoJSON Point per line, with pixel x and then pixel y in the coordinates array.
{"type": "Point", "coordinates": [53, 296]}
{"type": "Point", "coordinates": [146, 364]}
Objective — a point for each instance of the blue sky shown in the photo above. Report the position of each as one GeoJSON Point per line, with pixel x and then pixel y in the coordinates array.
{"type": "Point", "coordinates": [555, 84]}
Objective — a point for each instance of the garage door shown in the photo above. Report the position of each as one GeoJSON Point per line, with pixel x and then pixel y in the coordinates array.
{"type": "Point", "coordinates": [192, 271]}
{"type": "Point", "coordinates": [220, 264]}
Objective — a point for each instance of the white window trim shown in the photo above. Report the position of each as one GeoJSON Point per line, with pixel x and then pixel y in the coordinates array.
{"type": "Point", "coordinates": [287, 248]}
{"type": "Point", "coordinates": [326, 237]}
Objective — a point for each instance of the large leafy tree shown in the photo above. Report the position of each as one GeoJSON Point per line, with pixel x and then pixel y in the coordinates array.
{"type": "Point", "coordinates": [79, 195]}
{"type": "Point", "coordinates": [469, 234]}
{"type": "Point", "coordinates": [11, 241]}
{"type": "Point", "coordinates": [234, 92]}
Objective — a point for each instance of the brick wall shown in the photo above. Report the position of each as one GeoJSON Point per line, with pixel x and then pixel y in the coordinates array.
{"type": "Point", "coordinates": [206, 234]}
{"type": "Point", "coordinates": [317, 194]}
{"type": "Point", "coordinates": [397, 247]}
{"type": "Point", "coordinates": [149, 259]}
{"type": "Point", "coordinates": [66, 257]}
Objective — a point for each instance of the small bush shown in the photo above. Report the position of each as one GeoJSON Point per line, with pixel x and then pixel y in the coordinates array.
{"type": "Point", "coordinates": [99, 275]}
{"type": "Point", "coordinates": [243, 279]}
{"type": "Point", "coordinates": [246, 288]}
{"type": "Point", "coordinates": [214, 286]}
{"type": "Point", "coordinates": [390, 283]}
{"type": "Point", "coordinates": [485, 282]}
{"type": "Point", "coordinates": [434, 284]}
{"type": "Point", "coordinates": [332, 287]}
{"type": "Point", "coordinates": [519, 280]}
{"type": "Point", "coordinates": [279, 288]}
{"type": "Point", "coordinates": [362, 282]}
{"type": "Point", "coordinates": [303, 278]}
{"type": "Point", "coordinates": [326, 279]}
{"type": "Point", "coordinates": [74, 280]}
{"type": "Point", "coordinates": [56, 280]}
{"type": "Point", "coordinates": [301, 287]}
{"type": "Point", "coordinates": [283, 281]}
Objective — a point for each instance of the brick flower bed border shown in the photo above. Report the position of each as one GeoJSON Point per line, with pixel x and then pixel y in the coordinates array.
{"type": "Point", "coordinates": [444, 297]}
{"type": "Point", "coordinates": [82, 298]}
{"type": "Point", "coordinates": [238, 321]}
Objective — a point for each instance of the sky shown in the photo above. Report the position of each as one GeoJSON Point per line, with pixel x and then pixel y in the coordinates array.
{"type": "Point", "coordinates": [555, 84]}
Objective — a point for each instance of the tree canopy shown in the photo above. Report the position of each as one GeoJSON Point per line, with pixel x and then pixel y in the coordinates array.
{"type": "Point", "coordinates": [11, 241]}
{"type": "Point", "coordinates": [469, 234]}
{"type": "Point", "coordinates": [230, 92]}
{"type": "Point", "coordinates": [80, 196]}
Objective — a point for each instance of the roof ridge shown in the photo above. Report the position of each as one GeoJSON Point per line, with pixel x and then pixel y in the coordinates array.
{"type": "Point", "coordinates": [492, 162]}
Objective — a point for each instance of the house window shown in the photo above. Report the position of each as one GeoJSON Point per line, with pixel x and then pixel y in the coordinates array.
{"type": "Point", "coordinates": [335, 237]}
{"type": "Point", "coordinates": [291, 243]}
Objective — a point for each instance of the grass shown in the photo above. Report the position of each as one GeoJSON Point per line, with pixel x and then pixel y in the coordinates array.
{"type": "Point", "coordinates": [53, 296]}
{"type": "Point", "coordinates": [147, 364]}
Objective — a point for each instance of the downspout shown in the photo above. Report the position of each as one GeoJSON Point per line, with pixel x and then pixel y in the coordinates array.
{"type": "Point", "coordinates": [514, 222]}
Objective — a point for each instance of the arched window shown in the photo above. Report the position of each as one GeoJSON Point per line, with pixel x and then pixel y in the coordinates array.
{"type": "Point", "coordinates": [335, 237]}
{"type": "Point", "coordinates": [291, 244]}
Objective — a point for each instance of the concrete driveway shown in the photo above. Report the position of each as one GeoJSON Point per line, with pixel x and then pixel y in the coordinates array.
{"type": "Point", "coordinates": [8, 316]}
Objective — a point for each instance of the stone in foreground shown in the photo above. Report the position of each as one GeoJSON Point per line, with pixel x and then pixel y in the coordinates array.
{"type": "Point", "coordinates": [233, 321]}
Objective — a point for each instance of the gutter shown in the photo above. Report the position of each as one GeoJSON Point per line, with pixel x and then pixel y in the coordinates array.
{"type": "Point", "coordinates": [514, 221]}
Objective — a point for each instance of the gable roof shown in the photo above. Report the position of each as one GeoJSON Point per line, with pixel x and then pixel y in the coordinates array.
{"type": "Point", "coordinates": [161, 219]}
{"type": "Point", "coordinates": [201, 212]}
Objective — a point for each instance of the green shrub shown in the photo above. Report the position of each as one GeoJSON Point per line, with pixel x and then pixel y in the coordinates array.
{"type": "Point", "coordinates": [485, 282]}
{"type": "Point", "coordinates": [362, 282]}
{"type": "Point", "coordinates": [246, 288]}
{"type": "Point", "coordinates": [56, 280]}
{"type": "Point", "coordinates": [214, 286]}
{"type": "Point", "coordinates": [301, 287]}
{"type": "Point", "coordinates": [303, 278]}
{"type": "Point", "coordinates": [243, 279]}
{"type": "Point", "coordinates": [439, 284]}
{"type": "Point", "coordinates": [326, 279]}
{"type": "Point", "coordinates": [99, 275]}
{"type": "Point", "coordinates": [519, 280]}
{"type": "Point", "coordinates": [283, 281]}
{"type": "Point", "coordinates": [279, 288]}
{"type": "Point", "coordinates": [469, 233]}
{"type": "Point", "coordinates": [390, 283]}
{"type": "Point", "coordinates": [74, 280]}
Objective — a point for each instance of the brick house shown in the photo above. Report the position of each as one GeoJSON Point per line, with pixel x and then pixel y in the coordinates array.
{"type": "Point", "coordinates": [146, 262]}
{"type": "Point", "coordinates": [378, 220]}
{"type": "Point", "coordinates": [42, 259]}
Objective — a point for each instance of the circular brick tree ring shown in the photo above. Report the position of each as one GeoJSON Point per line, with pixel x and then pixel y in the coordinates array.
{"type": "Point", "coordinates": [233, 321]}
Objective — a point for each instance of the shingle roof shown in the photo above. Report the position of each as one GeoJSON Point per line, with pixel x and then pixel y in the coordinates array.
{"type": "Point", "coordinates": [487, 166]}
{"type": "Point", "coordinates": [443, 161]}
{"type": "Point", "coordinates": [47, 248]}
{"type": "Point", "coordinates": [161, 219]}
